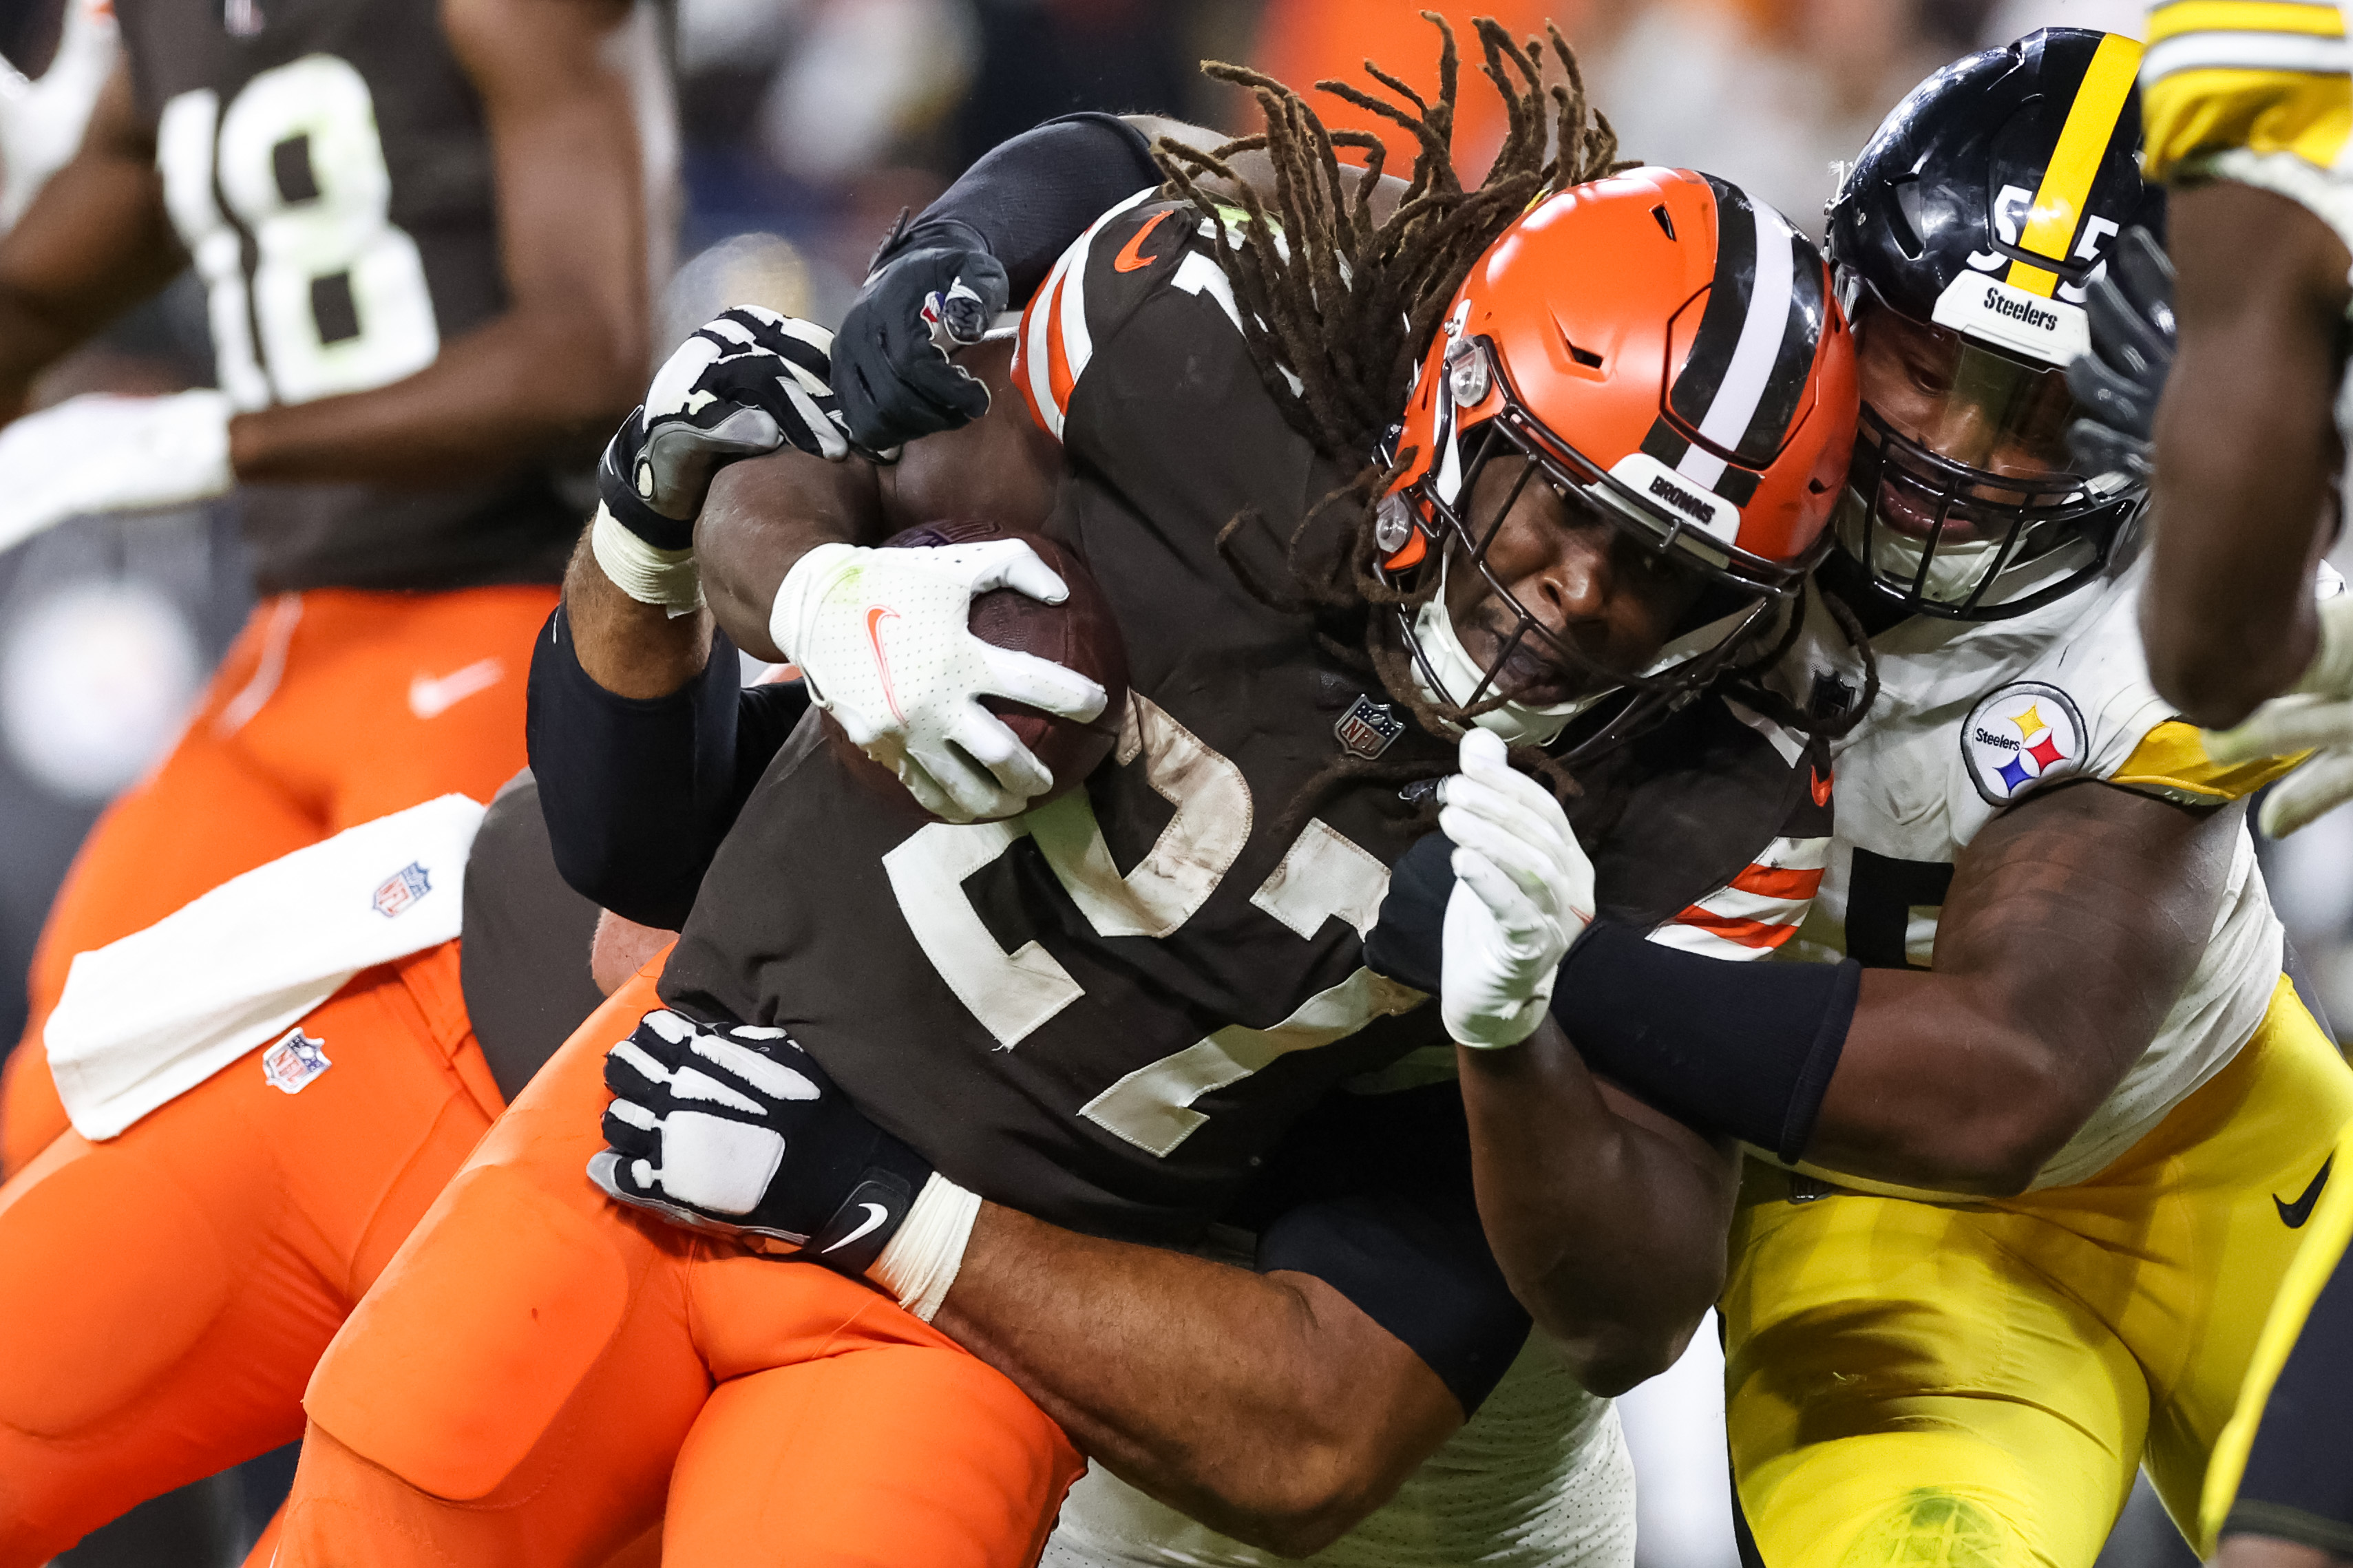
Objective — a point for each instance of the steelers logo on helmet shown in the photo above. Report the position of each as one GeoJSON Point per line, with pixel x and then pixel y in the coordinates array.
{"type": "Point", "coordinates": [1964, 240]}
{"type": "Point", "coordinates": [1667, 359]}
{"type": "Point", "coordinates": [2023, 734]}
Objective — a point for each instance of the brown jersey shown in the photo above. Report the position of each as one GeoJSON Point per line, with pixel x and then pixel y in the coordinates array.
{"type": "Point", "coordinates": [326, 165]}
{"type": "Point", "coordinates": [1106, 1012]}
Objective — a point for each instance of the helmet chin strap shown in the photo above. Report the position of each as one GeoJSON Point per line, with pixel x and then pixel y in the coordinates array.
{"type": "Point", "coordinates": [1517, 723]}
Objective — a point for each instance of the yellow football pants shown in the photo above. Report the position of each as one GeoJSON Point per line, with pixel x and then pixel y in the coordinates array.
{"type": "Point", "coordinates": [1972, 1385]}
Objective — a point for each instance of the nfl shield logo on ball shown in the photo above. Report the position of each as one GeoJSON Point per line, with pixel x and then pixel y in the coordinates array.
{"type": "Point", "coordinates": [1367, 728]}
{"type": "Point", "coordinates": [2022, 734]}
{"type": "Point", "coordinates": [294, 1061]}
{"type": "Point", "coordinates": [401, 889]}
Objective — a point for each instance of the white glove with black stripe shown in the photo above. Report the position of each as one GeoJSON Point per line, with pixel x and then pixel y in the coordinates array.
{"type": "Point", "coordinates": [735, 1129]}
{"type": "Point", "coordinates": [1523, 893]}
{"type": "Point", "coordinates": [746, 382]}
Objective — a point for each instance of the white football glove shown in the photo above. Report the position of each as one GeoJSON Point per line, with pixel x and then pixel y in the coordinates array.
{"type": "Point", "coordinates": [1522, 892]}
{"type": "Point", "coordinates": [884, 639]}
{"type": "Point", "coordinates": [2315, 716]}
{"type": "Point", "coordinates": [41, 122]}
{"type": "Point", "coordinates": [101, 453]}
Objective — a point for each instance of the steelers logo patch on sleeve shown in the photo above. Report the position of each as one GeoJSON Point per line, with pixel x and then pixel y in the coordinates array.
{"type": "Point", "coordinates": [2022, 734]}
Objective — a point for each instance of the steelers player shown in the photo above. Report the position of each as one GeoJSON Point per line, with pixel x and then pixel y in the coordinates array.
{"type": "Point", "coordinates": [2063, 1135]}
{"type": "Point", "coordinates": [1067, 1071]}
{"type": "Point", "coordinates": [416, 324]}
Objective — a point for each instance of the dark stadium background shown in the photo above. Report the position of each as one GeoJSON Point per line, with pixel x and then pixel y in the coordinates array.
{"type": "Point", "coordinates": [807, 125]}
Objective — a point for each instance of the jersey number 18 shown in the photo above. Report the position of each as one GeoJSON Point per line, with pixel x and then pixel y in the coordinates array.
{"type": "Point", "coordinates": [337, 301]}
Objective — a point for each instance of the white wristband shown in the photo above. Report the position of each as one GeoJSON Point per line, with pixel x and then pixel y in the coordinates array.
{"type": "Point", "coordinates": [921, 1260]}
{"type": "Point", "coordinates": [665, 577]}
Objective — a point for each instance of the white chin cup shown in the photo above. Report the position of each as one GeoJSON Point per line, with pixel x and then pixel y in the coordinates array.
{"type": "Point", "coordinates": [1517, 723]}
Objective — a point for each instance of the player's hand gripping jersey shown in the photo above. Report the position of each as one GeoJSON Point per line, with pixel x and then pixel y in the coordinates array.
{"type": "Point", "coordinates": [1974, 716]}
{"type": "Point", "coordinates": [1104, 1011]}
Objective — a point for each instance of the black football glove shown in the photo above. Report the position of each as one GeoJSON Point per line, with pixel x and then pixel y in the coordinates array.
{"type": "Point", "coordinates": [2120, 381]}
{"type": "Point", "coordinates": [744, 384]}
{"type": "Point", "coordinates": [894, 381]}
{"type": "Point", "coordinates": [735, 1129]}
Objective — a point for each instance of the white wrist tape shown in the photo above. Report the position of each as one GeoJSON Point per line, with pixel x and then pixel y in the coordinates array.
{"type": "Point", "coordinates": [665, 577]}
{"type": "Point", "coordinates": [922, 1259]}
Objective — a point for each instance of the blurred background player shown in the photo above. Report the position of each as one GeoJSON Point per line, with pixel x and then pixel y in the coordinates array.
{"type": "Point", "coordinates": [423, 232]}
{"type": "Point", "coordinates": [2219, 378]}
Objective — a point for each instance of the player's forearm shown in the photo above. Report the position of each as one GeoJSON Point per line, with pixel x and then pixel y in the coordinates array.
{"type": "Point", "coordinates": [2246, 450]}
{"type": "Point", "coordinates": [1610, 1234]}
{"type": "Point", "coordinates": [2072, 923]}
{"type": "Point", "coordinates": [762, 515]}
{"type": "Point", "coordinates": [1265, 1406]}
{"type": "Point", "coordinates": [632, 649]}
{"type": "Point", "coordinates": [525, 389]}
{"type": "Point", "coordinates": [93, 242]}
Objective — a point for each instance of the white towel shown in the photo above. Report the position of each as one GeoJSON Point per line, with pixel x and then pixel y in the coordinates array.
{"type": "Point", "coordinates": [147, 1018]}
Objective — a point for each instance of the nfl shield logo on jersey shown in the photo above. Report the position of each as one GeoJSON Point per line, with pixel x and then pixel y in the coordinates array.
{"type": "Point", "coordinates": [1367, 728]}
{"type": "Point", "coordinates": [401, 889]}
{"type": "Point", "coordinates": [294, 1061]}
{"type": "Point", "coordinates": [2022, 734]}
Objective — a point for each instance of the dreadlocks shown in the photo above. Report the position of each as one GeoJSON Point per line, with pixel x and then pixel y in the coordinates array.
{"type": "Point", "coordinates": [1338, 309]}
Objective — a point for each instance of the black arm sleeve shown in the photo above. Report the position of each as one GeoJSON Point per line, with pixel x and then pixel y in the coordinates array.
{"type": "Point", "coordinates": [1028, 197]}
{"type": "Point", "coordinates": [638, 794]}
{"type": "Point", "coordinates": [1371, 1194]}
{"type": "Point", "coordinates": [1745, 1048]}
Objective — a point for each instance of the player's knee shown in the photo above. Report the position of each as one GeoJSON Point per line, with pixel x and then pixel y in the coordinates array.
{"type": "Point", "coordinates": [98, 1315]}
{"type": "Point", "coordinates": [1933, 1528]}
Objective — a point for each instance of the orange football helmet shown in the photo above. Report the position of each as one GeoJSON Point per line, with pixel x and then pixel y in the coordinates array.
{"type": "Point", "coordinates": [1670, 351]}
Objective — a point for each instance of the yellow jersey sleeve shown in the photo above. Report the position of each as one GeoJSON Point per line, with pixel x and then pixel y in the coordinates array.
{"type": "Point", "coordinates": [2269, 76]}
{"type": "Point", "coordinates": [2171, 763]}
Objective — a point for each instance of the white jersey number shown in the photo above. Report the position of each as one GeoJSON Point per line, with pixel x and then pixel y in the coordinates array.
{"type": "Point", "coordinates": [338, 300]}
{"type": "Point", "coordinates": [1013, 995]}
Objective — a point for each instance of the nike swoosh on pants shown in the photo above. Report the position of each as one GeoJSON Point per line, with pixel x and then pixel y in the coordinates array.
{"type": "Point", "coordinates": [429, 697]}
{"type": "Point", "coordinates": [2293, 1215]}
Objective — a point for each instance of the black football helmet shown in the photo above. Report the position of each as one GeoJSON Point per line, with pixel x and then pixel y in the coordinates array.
{"type": "Point", "coordinates": [1963, 239]}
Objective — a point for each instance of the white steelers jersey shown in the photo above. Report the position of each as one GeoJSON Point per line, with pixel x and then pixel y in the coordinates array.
{"type": "Point", "coordinates": [1973, 715]}
{"type": "Point", "coordinates": [1539, 1478]}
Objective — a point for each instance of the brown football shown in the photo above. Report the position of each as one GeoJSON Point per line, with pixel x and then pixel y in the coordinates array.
{"type": "Point", "coordinates": [1078, 633]}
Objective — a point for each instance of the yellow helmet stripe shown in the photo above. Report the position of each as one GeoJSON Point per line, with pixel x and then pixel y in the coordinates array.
{"type": "Point", "coordinates": [2058, 209]}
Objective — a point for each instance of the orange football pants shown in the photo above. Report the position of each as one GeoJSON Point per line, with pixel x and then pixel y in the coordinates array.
{"type": "Point", "coordinates": [540, 1374]}
{"type": "Point", "coordinates": [332, 706]}
{"type": "Point", "coordinates": [163, 1295]}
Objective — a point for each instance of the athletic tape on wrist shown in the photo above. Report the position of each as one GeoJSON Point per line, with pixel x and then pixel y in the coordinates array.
{"type": "Point", "coordinates": [665, 577]}
{"type": "Point", "coordinates": [922, 1258]}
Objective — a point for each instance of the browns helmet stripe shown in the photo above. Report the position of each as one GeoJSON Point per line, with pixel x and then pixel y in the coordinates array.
{"type": "Point", "coordinates": [1747, 369]}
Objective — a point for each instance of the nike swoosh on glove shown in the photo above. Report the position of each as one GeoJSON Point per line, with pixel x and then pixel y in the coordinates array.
{"type": "Point", "coordinates": [895, 380]}
{"type": "Point", "coordinates": [1523, 893]}
{"type": "Point", "coordinates": [735, 1129]}
{"type": "Point", "coordinates": [99, 453]}
{"type": "Point", "coordinates": [2121, 379]}
{"type": "Point", "coordinates": [2316, 716]}
{"type": "Point", "coordinates": [883, 638]}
